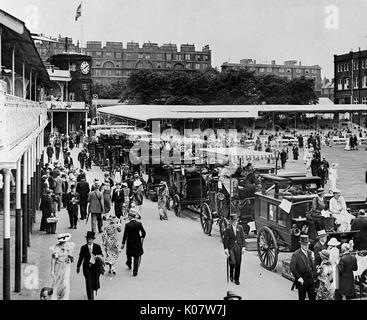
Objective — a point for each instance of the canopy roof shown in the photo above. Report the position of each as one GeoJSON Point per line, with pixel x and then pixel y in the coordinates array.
{"type": "Point", "coordinates": [158, 112]}
{"type": "Point", "coordinates": [16, 33]}
{"type": "Point", "coordinates": [59, 75]}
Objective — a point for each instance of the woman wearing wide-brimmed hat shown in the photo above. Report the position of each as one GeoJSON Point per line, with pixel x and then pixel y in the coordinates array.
{"type": "Point", "coordinates": [110, 242]}
{"type": "Point", "coordinates": [325, 289]}
{"type": "Point", "coordinates": [60, 266]}
{"type": "Point", "coordinates": [334, 251]}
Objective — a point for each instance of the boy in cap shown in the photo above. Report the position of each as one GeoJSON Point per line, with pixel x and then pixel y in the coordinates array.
{"type": "Point", "coordinates": [304, 271]}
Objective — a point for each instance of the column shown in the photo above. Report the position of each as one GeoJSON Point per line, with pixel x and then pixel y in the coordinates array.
{"type": "Point", "coordinates": [52, 122]}
{"type": "Point", "coordinates": [86, 123]}
{"type": "Point", "coordinates": [13, 70]}
{"type": "Point", "coordinates": [67, 123]}
{"type": "Point", "coordinates": [24, 86]}
{"type": "Point", "coordinates": [30, 84]}
{"type": "Point", "coordinates": [6, 252]}
{"type": "Point", "coordinates": [35, 87]}
{"type": "Point", "coordinates": [18, 229]}
{"type": "Point", "coordinates": [1, 33]}
{"type": "Point", "coordinates": [25, 208]}
{"type": "Point", "coordinates": [33, 182]}
{"type": "Point", "coordinates": [29, 198]}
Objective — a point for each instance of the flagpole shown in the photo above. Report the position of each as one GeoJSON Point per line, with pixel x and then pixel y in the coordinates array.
{"type": "Point", "coordinates": [81, 27]}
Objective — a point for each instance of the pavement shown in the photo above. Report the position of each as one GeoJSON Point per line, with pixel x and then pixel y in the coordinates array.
{"type": "Point", "coordinates": [180, 261]}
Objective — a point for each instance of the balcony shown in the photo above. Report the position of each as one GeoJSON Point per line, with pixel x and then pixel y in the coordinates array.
{"type": "Point", "coordinates": [19, 118]}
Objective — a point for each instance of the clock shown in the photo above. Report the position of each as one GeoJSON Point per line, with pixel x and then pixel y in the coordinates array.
{"type": "Point", "coordinates": [84, 67]}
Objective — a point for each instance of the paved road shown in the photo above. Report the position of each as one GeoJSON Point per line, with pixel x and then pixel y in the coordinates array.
{"type": "Point", "coordinates": [180, 262]}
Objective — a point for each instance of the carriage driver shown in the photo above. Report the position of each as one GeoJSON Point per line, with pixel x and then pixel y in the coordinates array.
{"type": "Point", "coordinates": [234, 243]}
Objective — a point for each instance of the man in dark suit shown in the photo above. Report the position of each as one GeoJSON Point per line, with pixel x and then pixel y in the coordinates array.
{"type": "Point", "coordinates": [234, 243]}
{"type": "Point", "coordinates": [87, 256]}
{"type": "Point", "coordinates": [72, 199]}
{"type": "Point", "coordinates": [82, 188]}
{"type": "Point", "coordinates": [360, 238]}
{"type": "Point", "coordinates": [134, 235]}
{"type": "Point", "coordinates": [319, 246]}
{"type": "Point", "coordinates": [118, 198]}
{"type": "Point", "coordinates": [50, 152]}
{"type": "Point", "coordinates": [304, 271]}
{"type": "Point", "coordinates": [68, 161]}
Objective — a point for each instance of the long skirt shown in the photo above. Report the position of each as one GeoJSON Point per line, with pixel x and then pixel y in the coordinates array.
{"type": "Point", "coordinates": [61, 281]}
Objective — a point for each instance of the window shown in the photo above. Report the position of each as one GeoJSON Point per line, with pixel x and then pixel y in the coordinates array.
{"type": "Point", "coordinates": [268, 69]}
{"type": "Point", "coordinates": [363, 63]}
{"type": "Point", "coordinates": [168, 56]}
{"type": "Point", "coordinates": [355, 65]}
{"type": "Point", "coordinates": [355, 100]}
{"type": "Point", "coordinates": [198, 57]}
{"type": "Point", "coordinates": [205, 66]}
{"type": "Point", "coordinates": [205, 57]}
{"type": "Point", "coordinates": [364, 82]}
{"type": "Point", "coordinates": [262, 69]}
{"type": "Point", "coordinates": [168, 66]}
{"type": "Point", "coordinates": [98, 54]}
{"type": "Point", "coordinates": [307, 71]}
{"type": "Point", "coordinates": [364, 100]}
{"type": "Point", "coordinates": [108, 54]}
{"type": "Point", "coordinates": [72, 67]}
{"type": "Point", "coordinates": [298, 70]}
{"type": "Point", "coordinates": [263, 209]}
{"type": "Point", "coordinates": [140, 56]}
{"type": "Point", "coordinates": [118, 55]}
{"type": "Point", "coordinates": [159, 65]}
{"type": "Point", "coordinates": [272, 212]}
{"type": "Point", "coordinates": [281, 70]}
{"type": "Point", "coordinates": [128, 55]}
{"type": "Point", "coordinates": [179, 57]}
{"type": "Point", "coordinates": [346, 83]}
{"type": "Point", "coordinates": [159, 56]}
{"type": "Point", "coordinates": [97, 63]}
{"type": "Point", "coordinates": [147, 56]}
{"type": "Point", "coordinates": [355, 84]}
{"type": "Point", "coordinates": [282, 217]}
{"type": "Point", "coordinates": [118, 73]}
{"type": "Point", "coordinates": [340, 84]}
{"type": "Point", "coordinates": [197, 66]}
{"type": "Point", "coordinates": [188, 65]}
{"type": "Point", "coordinates": [187, 57]}
{"type": "Point", "coordinates": [71, 96]}
{"type": "Point", "coordinates": [289, 70]}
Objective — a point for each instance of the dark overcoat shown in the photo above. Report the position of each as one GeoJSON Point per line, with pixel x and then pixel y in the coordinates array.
{"type": "Point", "coordinates": [133, 235]}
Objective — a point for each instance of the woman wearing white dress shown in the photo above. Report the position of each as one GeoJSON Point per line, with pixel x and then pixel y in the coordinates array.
{"type": "Point", "coordinates": [333, 176]}
{"type": "Point", "coordinates": [334, 260]}
{"type": "Point", "coordinates": [347, 145]}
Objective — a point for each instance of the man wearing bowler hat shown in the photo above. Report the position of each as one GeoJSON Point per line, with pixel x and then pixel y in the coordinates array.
{"type": "Point", "coordinates": [303, 269]}
{"type": "Point", "coordinates": [88, 254]}
{"type": "Point", "coordinates": [134, 235]}
{"type": "Point", "coordinates": [234, 242]}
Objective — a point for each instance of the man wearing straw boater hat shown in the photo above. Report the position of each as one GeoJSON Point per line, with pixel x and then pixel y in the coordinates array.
{"type": "Point", "coordinates": [303, 269]}
{"type": "Point", "coordinates": [320, 245]}
{"type": "Point", "coordinates": [134, 235]}
{"type": "Point", "coordinates": [234, 243]}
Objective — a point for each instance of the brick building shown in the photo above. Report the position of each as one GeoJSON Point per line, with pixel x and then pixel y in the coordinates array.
{"type": "Point", "coordinates": [290, 70]}
{"type": "Point", "coordinates": [350, 73]}
{"type": "Point", "coordinates": [46, 49]}
{"type": "Point", "coordinates": [113, 62]}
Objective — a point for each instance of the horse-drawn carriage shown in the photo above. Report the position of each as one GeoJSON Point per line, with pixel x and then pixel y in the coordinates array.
{"type": "Point", "coordinates": [281, 216]}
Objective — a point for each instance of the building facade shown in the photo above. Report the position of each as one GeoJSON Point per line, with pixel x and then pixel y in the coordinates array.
{"type": "Point", "coordinates": [350, 73]}
{"type": "Point", "coordinates": [47, 49]}
{"type": "Point", "coordinates": [113, 62]}
{"type": "Point", "coordinates": [289, 70]}
{"type": "Point", "coordinates": [327, 89]}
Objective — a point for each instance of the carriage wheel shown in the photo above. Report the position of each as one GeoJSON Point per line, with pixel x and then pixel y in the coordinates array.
{"type": "Point", "coordinates": [177, 205]}
{"type": "Point", "coordinates": [206, 218]}
{"type": "Point", "coordinates": [267, 248]}
{"type": "Point", "coordinates": [222, 227]}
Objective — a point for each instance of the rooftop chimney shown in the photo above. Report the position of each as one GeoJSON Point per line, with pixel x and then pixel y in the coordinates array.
{"type": "Point", "coordinates": [66, 44]}
{"type": "Point", "coordinates": [273, 62]}
{"type": "Point", "coordinates": [300, 63]}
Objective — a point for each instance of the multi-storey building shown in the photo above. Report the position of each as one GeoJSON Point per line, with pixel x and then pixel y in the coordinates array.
{"type": "Point", "coordinates": [350, 73]}
{"type": "Point", "coordinates": [113, 62]}
{"type": "Point", "coordinates": [327, 89]}
{"type": "Point", "coordinates": [290, 70]}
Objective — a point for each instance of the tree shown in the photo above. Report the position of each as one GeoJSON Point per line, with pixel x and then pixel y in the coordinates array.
{"type": "Point", "coordinates": [112, 91]}
{"type": "Point", "coordinates": [301, 91]}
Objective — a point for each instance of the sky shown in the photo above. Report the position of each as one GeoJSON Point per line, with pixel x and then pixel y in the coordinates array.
{"type": "Point", "coordinates": [311, 31]}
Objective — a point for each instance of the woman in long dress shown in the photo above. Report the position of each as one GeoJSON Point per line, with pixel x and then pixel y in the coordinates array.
{"type": "Point", "coordinates": [163, 195]}
{"type": "Point", "coordinates": [325, 276]}
{"type": "Point", "coordinates": [334, 260]}
{"type": "Point", "coordinates": [110, 242]}
{"type": "Point", "coordinates": [107, 196]}
{"type": "Point", "coordinates": [333, 176]}
{"type": "Point", "coordinates": [60, 267]}
{"type": "Point", "coordinates": [347, 144]}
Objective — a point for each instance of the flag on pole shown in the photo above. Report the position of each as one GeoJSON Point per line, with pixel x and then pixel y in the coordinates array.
{"type": "Point", "coordinates": [78, 12]}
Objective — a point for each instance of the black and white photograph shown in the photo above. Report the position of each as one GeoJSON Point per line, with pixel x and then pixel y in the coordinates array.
{"type": "Point", "coordinates": [183, 150]}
